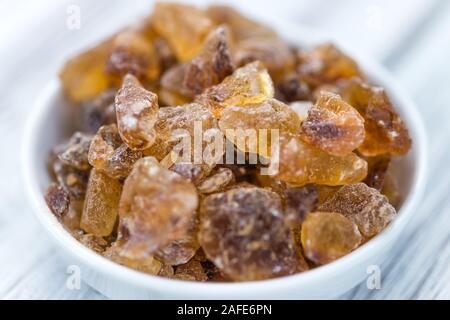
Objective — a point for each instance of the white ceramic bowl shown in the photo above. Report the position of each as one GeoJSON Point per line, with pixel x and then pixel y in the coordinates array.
{"type": "Point", "coordinates": [50, 122]}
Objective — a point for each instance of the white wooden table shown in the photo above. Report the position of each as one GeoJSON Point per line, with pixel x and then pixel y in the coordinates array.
{"type": "Point", "coordinates": [411, 37]}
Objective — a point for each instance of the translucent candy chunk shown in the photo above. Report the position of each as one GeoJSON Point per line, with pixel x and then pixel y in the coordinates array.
{"type": "Point", "coordinates": [300, 163]}
{"type": "Point", "coordinates": [73, 180]}
{"type": "Point", "coordinates": [110, 155]}
{"type": "Point", "coordinates": [333, 125]}
{"type": "Point", "coordinates": [83, 77]}
{"type": "Point", "coordinates": [194, 123]}
{"type": "Point", "coordinates": [299, 202]}
{"type": "Point", "coordinates": [95, 243]}
{"type": "Point", "coordinates": [57, 199]}
{"type": "Point", "coordinates": [326, 64]}
{"type": "Point", "coordinates": [250, 84]}
{"type": "Point", "coordinates": [255, 122]}
{"type": "Point", "coordinates": [327, 236]}
{"type": "Point", "coordinates": [156, 208]}
{"type": "Point", "coordinates": [208, 68]}
{"type": "Point", "coordinates": [75, 153]}
{"type": "Point", "coordinates": [291, 88]}
{"type": "Point", "coordinates": [184, 27]}
{"type": "Point", "coordinates": [137, 111]}
{"type": "Point", "coordinates": [148, 265]}
{"type": "Point", "coordinates": [378, 169]}
{"type": "Point", "coordinates": [101, 206]}
{"type": "Point", "coordinates": [133, 53]}
{"type": "Point", "coordinates": [181, 250]}
{"type": "Point", "coordinates": [365, 206]}
{"type": "Point", "coordinates": [242, 27]}
{"type": "Point", "coordinates": [191, 271]}
{"type": "Point", "coordinates": [244, 233]}
{"type": "Point", "coordinates": [72, 218]}
{"type": "Point", "coordinates": [391, 190]}
{"type": "Point", "coordinates": [98, 112]}
{"type": "Point", "coordinates": [217, 181]}
{"type": "Point", "coordinates": [275, 54]}
{"type": "Point", "coordinates": [386, 133]}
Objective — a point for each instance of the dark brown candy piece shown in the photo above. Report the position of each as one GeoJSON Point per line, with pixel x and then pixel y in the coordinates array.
{"type": "Point", "coordinates": [110, 155]}
{"type": "Point", "coordinates": [57, 199]}
{"type": "Point", "coordinates": [377, 170]}
{"type": "Point", "coordinates": [75, 153]}
{"type": "Point", "coordinates": [72, 179]}
{"type": "Point", "coordinates": [191, 271]}
{"type": "Point", "coordinates": [365, 206]}
{"type": "Point", "coordinates": [299, 202]}
{"type": "Point", "coordinates": [386, 133]}
{"type": "Point", "coordinates": [243, 231]}
{"type": "Point", "coordinates": [98, 112]}
{"type": "Point", "coordinates": [291, 88]}
{"type": "Point", "coordinates": [208, 68]}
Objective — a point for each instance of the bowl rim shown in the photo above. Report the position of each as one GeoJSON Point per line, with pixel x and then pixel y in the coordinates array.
{"type": "Point", "coordinates": [302, 35]}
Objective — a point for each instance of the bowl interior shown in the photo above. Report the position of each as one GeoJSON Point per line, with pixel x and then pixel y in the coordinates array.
{"type": "Point", "coordinates": [52, 121]}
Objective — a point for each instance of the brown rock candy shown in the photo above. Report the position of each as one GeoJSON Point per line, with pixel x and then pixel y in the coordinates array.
{"type": "Point", "coordinates": [241, 26]}
{"type": "Point", "coordinates": [75, 153]}
{"type": "Point", "coordinates": [181, 250]}
{"type": "Point", "coordinates": [378, 169]}
{"type": "Point", "coordinates": [217, 181]}
{"type": "Point", "coordinates": [299, 202]}
{"type": "Point", "coordinates": [132, 53]}
{"type": "Point", "coordinates": [156, 208]}
{"type": "Point", "coordinates": [101, 205]}
{"type": "Point", "coordinates": [260, 119]}
{"type": "Point", "coordinates": [110, 155]}
{"type": "Point", "coordinates": [327, 236]}
{"type": "Point", "coordinates": [300, 163]}
{"type": "Point", "coordinates": [83, 77]}
{"type": "Point", "coordinates": [275, 54]}
{"type": "Point", "coordinates": [57, 199]}
{"type": "Point", "coordinates": [250, 84]}
{"type": "Point", "coordinates": [386, 133]}
{"type": "Point", "coordinates": [184, 27]}
{"type": "Point", "coordinates": [73, 180]}
{"type": "Point", "coordinates": [177, 123]}
{"type": "Point", "coordinates": [244, 233]}
{"type": "Point", "coordinates": [326, 64]}
{"type": "Point", "coordinates": [148, 265]}
{"type": "Point", "coordinates": [333, 125]}
{"type": "Point", "coordinates": [98, 112]}
{"type": "Point", "coordinates": [365, 206]}
{"type": "Point", "coordinates": [191, 271]}
{"type": "Point", "coordinates": [208, 68]}
{"type": "Point", "coordinates": [290, 88]}
{"type": "Point", "coordinates": [137, 112]}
